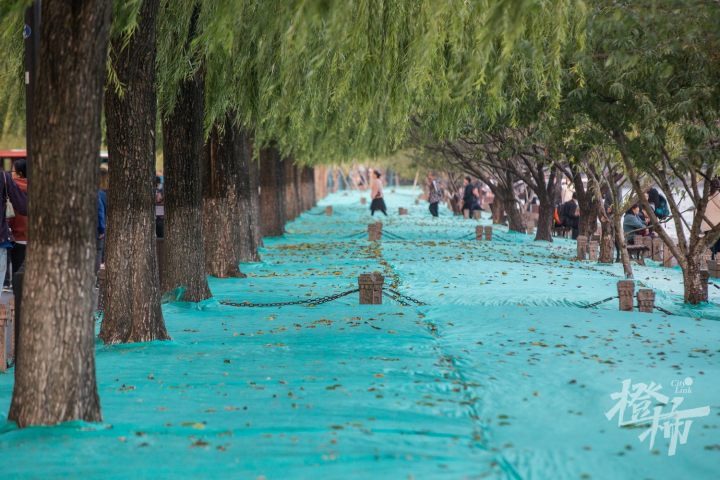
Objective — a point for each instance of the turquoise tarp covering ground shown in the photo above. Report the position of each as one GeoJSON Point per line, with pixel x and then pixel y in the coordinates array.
{"type": "Point", "coordinates": [501, 375]}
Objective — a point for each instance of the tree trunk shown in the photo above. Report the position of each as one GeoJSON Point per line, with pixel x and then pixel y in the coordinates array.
{"type": "Point", "coordinates": [132, 285]}
{"type": "Point", "coordinates": [289, 190]}
{"type": "Point", "coordinates": [588, 207]}
{"type": "Point", "coordinates": [308, 175]}
{"type": "Point", "coordinates": [184, 262]}
{"type": "Point", "coordinates": [271, 193]}
{"type": "Point", "coordinates": [620, 238]}
{"type": "Point", "coordinates": [297, 190]}
{"type": "Point", "coordinates": [254, 168]}
{"type": "Point", "coordinates": [607, 242]}
{"type": "Point", "coordinates": [222, 219]}
{"type": "Point", "coordinates": [55, 373]}
{"type": "Point", "coordinates": [516, 222]}
{"type": "Point", "coordinates": [693, 288]}
{"type": "Point", "coordinates": [497, 210]}
{"type": "Point", "coordinates": [545, 219]}
{"type": "Point", "coordinates": [247, 189]}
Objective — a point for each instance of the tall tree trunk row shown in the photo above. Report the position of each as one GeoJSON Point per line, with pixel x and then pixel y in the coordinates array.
{"type": "Point", "coordinates": [223, 220]}
{"type": "Point", "coordinates": [55, 369]}
{"type": "Point", "coordinates": [132, 289]}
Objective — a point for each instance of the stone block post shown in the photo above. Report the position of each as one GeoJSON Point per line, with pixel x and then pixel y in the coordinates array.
{"type": "Point", "coordinates": [476, 214]}
{"type": "Point", "coordinates": [488, 232]}
{"type": "Point", "coordinates": [402, 211]}
{"type": "Point", "coordinates": [657, 249]}
{"type": "Point", "coordinates": [363, 200]}
{"type": "Point", "coordinates": [479, 232]}
{"type": "Point", "coordinates": [466, 213]}
{"type": "Point", "coordinates": [626, 289]}
{"type": "Point", "coordinates": [375, 231]}
{"type": "Point", "coordinates": [667, 258]}
{"type": "Point", "coordinates": [7, 335]}
{"type": "Point", "coordinates": [713, 268]}
{"type": "Point", "coordinates": [371, 285]}
{"type": "Point", "coordinates": [582, 247]}
{"type": "Point", "coordinates": [646, 300]}
{"type": "Point", "coordinates": [328, 210]}
{"type": "Point", "coordinates": [593, 250]}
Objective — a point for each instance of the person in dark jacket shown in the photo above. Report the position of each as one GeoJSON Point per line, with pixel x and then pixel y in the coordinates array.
{"type": "Point", "coordinates": [570, 215]}
{"type": "Point", "coordinates": [633, 225]}
{"type": "Point", "coordinates": [18, 224]}
{"type": "Point", "coordinates": [469, 200]}
{"type": "Point", "coordinates": [18, 199]}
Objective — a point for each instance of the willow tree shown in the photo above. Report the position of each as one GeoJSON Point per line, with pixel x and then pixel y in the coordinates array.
{"type": "Point", "coordinates": [183, 140]}
{"type": "Point", "coordinates": [650, 83]}
{"type": "Point", "coordinates": [55, 371]}
{"type": "Point", "coordinates": [132, 288]}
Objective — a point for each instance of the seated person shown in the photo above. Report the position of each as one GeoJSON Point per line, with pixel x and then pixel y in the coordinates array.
{"type": "Point", "coordinates": [633, 225]}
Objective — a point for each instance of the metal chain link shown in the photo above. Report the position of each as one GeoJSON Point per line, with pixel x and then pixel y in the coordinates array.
{"type": "Point", "coordinates": [309, 301]}
{"type": "Point", "coordinates": [405, 297]}
{"type": "Point", "coordinates": [595, 304]}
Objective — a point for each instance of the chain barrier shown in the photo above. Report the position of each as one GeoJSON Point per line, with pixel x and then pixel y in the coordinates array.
{"type": "Point", "coordinates": [662, 310]}
{"type": "Point", "coordinates": [397, 299]}
{"type": "Point", "coordinates": [600, 302]}
{"type": "Point", "coordinates": [353, 235]}
{"type": "Point", "coordinates": [404, 297]}
{"type": "Point", "coordinates": [309, 301]}
{"type": "Point", "coordinates": [393, 236]}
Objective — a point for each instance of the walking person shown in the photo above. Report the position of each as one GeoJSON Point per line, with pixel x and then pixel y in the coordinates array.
{"type": "Point", "coordinates": [468, 197]}
{"type": "Point", "coordinates": [18, 223]}
{"type": "Point", "coordinates": [15, 203]}
{"type": "Point", "coordinates": [376, 189]}
{"type": "Point", "coordinates": [435, 194]}
{"type": "Point", "coordinates": [570, 215]}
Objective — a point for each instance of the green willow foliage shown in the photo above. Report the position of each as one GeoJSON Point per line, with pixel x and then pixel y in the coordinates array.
{"type": "Point", "coordinates": [12, 94]}
{"type": "Point", "coordinates": [328, 80]}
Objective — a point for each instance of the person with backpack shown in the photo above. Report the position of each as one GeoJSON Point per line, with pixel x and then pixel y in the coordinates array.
{"type": "Point", "coordinates": [15, 203]}
{"type": "Point", "coordinates": [659, 203]}
{"type": "Point", "coordinates": [570, 215]}
{"type": "Point", "coordinates": [435, 194]}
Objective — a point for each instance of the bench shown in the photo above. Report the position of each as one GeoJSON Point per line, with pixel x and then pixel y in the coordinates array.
{"type": "Point", "coordinates": [638, 251]}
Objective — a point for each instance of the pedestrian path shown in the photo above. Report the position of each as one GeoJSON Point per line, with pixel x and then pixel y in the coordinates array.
{"type": "Point", "coordinates": [501, 375]}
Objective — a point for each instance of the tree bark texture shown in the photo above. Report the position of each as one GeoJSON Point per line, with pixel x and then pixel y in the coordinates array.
{"type": "Point", "coordinates": [184, 262]}
{"type": "Point", "coordinates": [588, 207]}
{"type": "Point", "coordinates": [516, 222]}
{"type": "Point", "coordinates": [290, 197]}
{"type": "Point", "coordinates": [321, 179]}
{"type": "Point", "coordinates": [132, 288]}
{"type": "Point", "coordinates": [545, 219]}
{"type": "Point", "coordinates": [692, 285]}
{"type": "Point", "coordinates": [247, 189]}
{"type": "Point", "coordinates": [223, 222]}
{"type": "Point", "coordinates": [55, 374]}
{"type": "Point", "coordinates": [272, 192]}
{"type": "Point", "coordinates": [308, 188]}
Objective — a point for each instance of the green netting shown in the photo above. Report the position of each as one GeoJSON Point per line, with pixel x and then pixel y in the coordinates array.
{"type": "Point", "coordinates": [502, 375]}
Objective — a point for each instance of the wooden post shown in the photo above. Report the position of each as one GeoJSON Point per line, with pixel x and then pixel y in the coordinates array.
{"type": "Point", "coordinates": [582, 247]}
{"type": "Point", "coordinates": [488, 232]}
{"type": "Point", "coordinates": [371, 285]}
{"type": "Point", "coordinates": [626, 288]}
{"type": "Point", "coordinates": [476, 214]}
{"type": "Point", "coordinates": [646, 300]}
{"type": "Point", "coordinates": [593, 250]}
{"type": "Point", "coordinates": [402, 211]}
{"type": "Point", "coordinates": [466, 213]}
{"type": "Point", "coordinates": [375, 231]}
{"type": "Point", "coordinates": [479, 232]}
{"type": "Point", "coordinates": [328, 210]}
